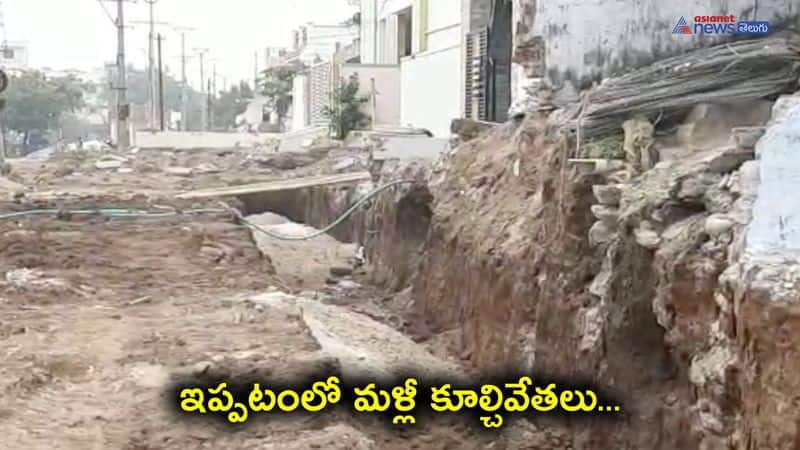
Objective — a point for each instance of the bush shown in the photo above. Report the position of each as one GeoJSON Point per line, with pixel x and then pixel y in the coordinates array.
{"type": "Point", "coordinates": [345, 113]}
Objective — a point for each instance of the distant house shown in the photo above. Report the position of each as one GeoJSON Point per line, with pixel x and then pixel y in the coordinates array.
{"type": "Point", "coordinates": [14, 55]}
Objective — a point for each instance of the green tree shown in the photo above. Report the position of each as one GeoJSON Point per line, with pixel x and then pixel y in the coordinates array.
{"type": "Point", "coordinates": [138, 89]}
{"type": "Point", "coordinates": [36, 102]}
{"type": "Point", "coordinates": [345, 113]}
{"type": "Point", "coordinates": [277, 85]}
{"type": "Point", "coordinates": [230, 104]}
{"type": "Point", "coordinates": [138, 94]}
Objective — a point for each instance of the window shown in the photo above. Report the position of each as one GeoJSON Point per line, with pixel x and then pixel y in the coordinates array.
{"type": "Point", "coordinates": [8, 53]}
{"type": "Point", "coordinates": [405, 33]}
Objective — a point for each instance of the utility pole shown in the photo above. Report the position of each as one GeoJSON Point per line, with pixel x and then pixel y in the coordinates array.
{"type": "Point", "coordinates": [209, 109]}
{"type": "Point", "coordinates": [151, 79]}
{"type": "Point", "coordinates": [123, 109]}
{"type": "Point", "coordinates": [160, 85]}
{"type": "Point", "coordinates": [185, 87]}
{"type": "Point", "coordinates": [212, 97]}
{"type": "Point", "coordinates": [214, 82]}
{"type": "Point", "coordinates": [184, 80]}
{"type": "Point", "coordinates": [255, 79]}
{"type": "Point", "coordinates": [201, 53]}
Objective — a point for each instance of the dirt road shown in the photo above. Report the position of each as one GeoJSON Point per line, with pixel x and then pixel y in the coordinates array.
{"type": "Point", "coordinates": [98, 316]}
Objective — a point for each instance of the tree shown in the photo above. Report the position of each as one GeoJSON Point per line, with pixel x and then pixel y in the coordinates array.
{"type": "Point", "coordinates": [345, 112]}
{"type": "Point", "coordinates": [36, 102]}
{"type": "Point", "coordinates": [277, 85]}
{"type": "Point", "coordinates": [230, 104]}
{"type": "Point", "coordinates": [138, 93]}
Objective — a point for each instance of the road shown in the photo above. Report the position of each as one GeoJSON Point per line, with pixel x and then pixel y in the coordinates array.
{"type": "Point", "coordinates": [98, 317]}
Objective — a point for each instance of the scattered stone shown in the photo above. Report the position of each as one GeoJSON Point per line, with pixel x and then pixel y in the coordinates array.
{"type": "Point", "coordinates": [344, 165]}
{"type": "Point", "coordinates": [287, 160]}
{"type": "Point", "coordinates": [468, 129]}
{"type": "Point", "coordinates": [600, 234]}
{"type": "Point", "coordinates": [648, 239]}
{"type": "Point", "coordinates": [108, 164]}
{"type": "Point", "coordinates": [150, 376]}
{"type": "Point", "coordinates": [179, 171]}
{"type": "Point", "coordinates": [33, 279]}
{"type": "Point", "coordinates": [200, 368]}
{"type": "Point", "coordinates": [729, 159]}
{"type": "Point", "coordinates": [516, 167]}
{"type": "Point", "coordinates": [609, 195]}
{"type": "Point", "coordinates": [124, 170]}
{"type": "Point", "coordinates": [348, 285]}
{"type": "Point", "coordinates": [718, 224]}
{"type": "Point", "coordinates": [606, 214]}
{"type": "Point", "coordinates": [639, 142]}
{"type": "Point", "coordinates": [207, 169]}
{"type": "Point", "coordinates": [341, 271]}
{"type": "Point", "coordinates": [747, 137]}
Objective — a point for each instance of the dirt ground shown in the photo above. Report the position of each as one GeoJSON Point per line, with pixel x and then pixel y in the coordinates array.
{"type": "Point", "coordinates": [98, 316]}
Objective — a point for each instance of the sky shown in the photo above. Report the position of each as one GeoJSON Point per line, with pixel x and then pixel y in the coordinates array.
{"type": "Point", "coordinates": [78, 34]}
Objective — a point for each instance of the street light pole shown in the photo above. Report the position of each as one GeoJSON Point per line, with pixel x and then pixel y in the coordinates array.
{"type": "Point", "coordinates": [151, 78]}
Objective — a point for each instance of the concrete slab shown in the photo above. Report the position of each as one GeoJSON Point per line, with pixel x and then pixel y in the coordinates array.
{"type": "Point", "coordinates": [279, 185]}
{"type": "Point", "coordinates": [411, 148]}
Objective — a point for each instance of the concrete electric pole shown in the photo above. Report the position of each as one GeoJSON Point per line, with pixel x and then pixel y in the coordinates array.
{"type": "Point", "coordinates": [160, 86]}
{"type": "Point", "coordinates": [184, 81]}
{"type": "Point", "coordinates": [151, 75]}
{"type": "Point", "coordinates": [201, 52]}
{"type": "Point", "coordinates": [123, 109]}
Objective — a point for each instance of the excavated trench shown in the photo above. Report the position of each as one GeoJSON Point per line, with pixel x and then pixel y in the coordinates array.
{"type": "Point", "coordinates": [524, 263]}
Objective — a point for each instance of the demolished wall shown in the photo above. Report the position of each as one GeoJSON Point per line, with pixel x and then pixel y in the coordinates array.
{"type": "Point", "coordinates": [639, 284]}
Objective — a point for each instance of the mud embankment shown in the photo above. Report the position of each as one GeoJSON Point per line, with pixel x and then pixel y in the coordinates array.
{"type": "Point", "coordinates": [512, 262]}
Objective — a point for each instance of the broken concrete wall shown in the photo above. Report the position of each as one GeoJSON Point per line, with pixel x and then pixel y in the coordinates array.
{"type": "Point", "coordinates": [576, 42]}
{"type": "Point", "coordinates": [188, 140]}
{"type": "Point", "coordinates": [634, 284]}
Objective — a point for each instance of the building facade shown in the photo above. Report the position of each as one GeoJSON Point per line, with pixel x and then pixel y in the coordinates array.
{"type": "Point", "coordinates": [423, 40]}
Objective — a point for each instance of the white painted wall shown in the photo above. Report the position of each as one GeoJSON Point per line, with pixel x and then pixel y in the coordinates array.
{"type": "Point", "coordinates": [443, 13]}
{"type": "Point", "coordinates": [393, 6]}
{"type": "Point", "coordinates": [432, 83]}
{"type": "Point", "coordinates": [431, 88]}
{"type": "Point", "coordinates": [322, 40]}
{"type": "Point", "coordinates": [775, 227]}
{"type": "Point", "coordinates": [299, 102]}
{"type": "Point", "coordinates": [589, 39]}
{"type": "Point", "coordinates": [387, 86]}
{"type": "Point", "coordinates": [369, 31]}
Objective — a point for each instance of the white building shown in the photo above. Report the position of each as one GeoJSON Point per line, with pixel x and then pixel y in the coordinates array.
{"type": "Point", "coordinates": [14, 55]}
{"type": "Point", "coordinates": [423, 40]}
{"type": "Point", "coordinates": [319, 42]}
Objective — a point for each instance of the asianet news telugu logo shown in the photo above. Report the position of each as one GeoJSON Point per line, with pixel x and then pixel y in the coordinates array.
{"type": "Point", "coordinates": [720, 25]}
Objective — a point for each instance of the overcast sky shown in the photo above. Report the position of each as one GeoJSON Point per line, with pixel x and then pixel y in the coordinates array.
{"type": "Point", "coordinates": [78, 34]}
